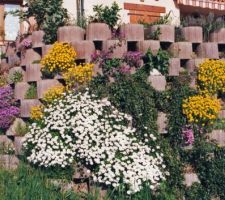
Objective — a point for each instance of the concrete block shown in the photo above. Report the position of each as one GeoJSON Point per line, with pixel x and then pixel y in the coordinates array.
{"type": "Point", "coordinates": [174, 67]}
{"type": "Point", "coordinates": [132, 32]}
{"type": "Point", "coordinates": [154, 45]}
{"type": "Point", "coordinates": [29, 57]}
{"type": "Point", "coordinates": [12, 130]}
{"type": "Point", "coordinates": [45, 85]}
{"type": "Point", "coordinates": [158, 82]}
{"type": "Point", "coordinates": [193, 34]}
{"type": "Point", "coordinates": [70, 34]}
{"type": "Point", "coordinates": [218, 36]}
{"type": "Point", "coordinates": [16, 69]}
{"type": "Point", "coordinates": [84, 49]}
{"type": "Point", "coordinates": [45, 49]}
{"type": "Point", "coordinates": [118, 51]}
{"type": "Point", "coordinates": [21, 90]}
{"type": "Point", "coordinates": [9, 162]}
{"type": "Point", "coordinates": [33, 72]}
{"type": "Point", "coordinates": [182, 50]}
{"type": "Point", "coordinates": [26, 105]}
{"type": "Point", "coordinates": [37, 39]}
{"type": "Point", "coordinates": [5, 141]}
{"type": "Point", "coordinates": [98, 32]}
{"type": "Point", "coordinates": [162, 122]}
{"type": "Point", "coordinates": [192, 64]}
{"type": "Point", "coordinates": [167, 32]}
{"type": "Point", "coordinates": [208, 50]}
{"type": "Point", "coordinates": [190, 178]}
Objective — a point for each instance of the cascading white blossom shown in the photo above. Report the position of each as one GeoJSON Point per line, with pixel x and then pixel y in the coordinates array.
{"type": "Point", "coordinates": [82, 128]}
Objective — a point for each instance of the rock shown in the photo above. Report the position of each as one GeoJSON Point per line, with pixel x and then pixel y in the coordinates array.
{"type": "Point", "coordinates": [158, 82]}
{"type": "Point", "coordinates": [218, 136]}
{"type": "Point", "coordinates": [190, 178]}
{"type": "Point", "coordinates": [18, 145]}
{"type": "Point", "coordinates": [162, 122]}
{"type": "Point", "coordinates": [13, 128]}
{"type": "Point", "coordinates": [9, 162]}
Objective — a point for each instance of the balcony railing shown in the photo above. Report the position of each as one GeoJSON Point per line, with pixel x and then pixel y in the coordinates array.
{"type": "Point", "coordinates": [210, 4]}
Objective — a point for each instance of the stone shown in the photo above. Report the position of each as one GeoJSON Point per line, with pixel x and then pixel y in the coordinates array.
{"type": "Point", "coordinates": [26, 105]}
{"type": "Point", "coordinates": [29, 57]}
{"type": "Point", "coordinates": [174, 67]}
{"type": "Point", "coordinates": [98, 32]}
{"type": "Point", "coordinates": [45, 85]}
{"type": "Point", "coordinates": [12, 129]}
{"type": "Point", "coordinates": [21, 90]}
{"type": "Point", "coordinates": [9, 162]}
{"type": "Point", "coordinates": [182, 50]}
{"type": "Point", "coordinates": [33, 72]}
{"type": "Point", "coordinates": [13, 60]}
{"type": "Point", "coordinates": [37, 39]}
{"type": "Point", "coordinates": [70, 34]}
{"type": "Point", "coordinates": [132, 32]}
{"type": "Point", "coordinates": [119, 50]}
{"type": "Point", "coordinates": [218, 36]}
{"type": "Point", "coordinates": [157, 82]}
{"type": "Point", "coordinates": [167, 32]}
{"type": "Point", "coordinates": [222, 114]}
{"type": "Point", "coordinates": [18, 145]}
{"type": "Point", "coordinates": [153, 45]}
{"type": "Point", "coordinates": [208, 50]}
{"type": "Point", "coordinates": [84, 49]}
{"type": "Point", "coordinates": [4, 140]}
{"type": "Point", "coordinates": [218, 136]}
{"type": "Point", "coordinates": [190, 178]}
{"type": "Point", "coordinates": [162, 123]}
{"type": "Point", "coordinates": [45, 49]}
{"type": "Point", "coordinates": [193, 34]}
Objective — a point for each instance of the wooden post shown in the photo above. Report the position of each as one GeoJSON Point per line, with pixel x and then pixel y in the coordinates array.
{"type": "Point", "coordinates": [2, 24]}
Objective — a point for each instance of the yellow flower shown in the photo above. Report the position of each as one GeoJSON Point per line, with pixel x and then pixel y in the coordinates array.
{"type": "Point", "coordinates": [201, 109]}
{"type": "Point", "coordinates": [53, 93]}
{"type": "Point", "coordinates": [78, 75]}
{"type": "Point", "coordinates": [59, 58]}
{"type": "Point", "coordinates": [37, 112]}
{"type": "Point", "coordinates": [211, 77]}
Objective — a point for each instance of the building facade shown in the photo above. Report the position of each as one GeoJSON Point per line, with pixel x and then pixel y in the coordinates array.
{"type": "Point", "coordinates": [132, 11]}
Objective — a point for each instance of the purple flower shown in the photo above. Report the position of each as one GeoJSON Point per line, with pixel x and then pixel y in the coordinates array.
{"type": "Point", "coordinates": [125, 69]}
{"type": "Point", "coordinates": [27, 43]}
{"type": "Point", "coordinates": [133, 58]}
{"type": "Point", "coordinates": [188, 135]}
{"type": "Point", "coordinates": [7, 109]}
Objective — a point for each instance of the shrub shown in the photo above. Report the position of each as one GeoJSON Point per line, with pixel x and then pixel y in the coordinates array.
{"type": "Point", "coordinates": [53, 93]}
{"type": "Point", "coordinates": [78, 75]}
{"type": "Point", "coordinates": [201, 110]}
{"type": "Point", "coordinates": [106, 14]}
{"type": "Point", "coordinates": [60, 58]}
{"type": "Point", "coordinates": [8, 110]}
{"type": "Point", "coordinates": [211, 77]}
{"type": "Point", "coordinates": [97, 135]}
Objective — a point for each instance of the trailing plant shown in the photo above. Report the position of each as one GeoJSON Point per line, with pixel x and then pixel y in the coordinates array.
{"type": "Point", "coordinates": [8, 109]}
{"type": "Point", "coordinates": [160, 61]}
{"type": "Point", "coordinates": [106, 14]}
{"type": "Point", "coordinates": [31, 92]}
{"type": "Point", "coordinates": [53, 93]}
{"type": "Point", "coordinates": [155, 34]}
{"type": "Point", "coordinates": [96, 134]}
{"type": "Point", "coordinates": [49, 15]}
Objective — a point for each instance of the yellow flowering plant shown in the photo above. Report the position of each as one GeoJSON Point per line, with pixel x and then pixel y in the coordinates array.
{"type": "Point", "coordinates": [211, 77]}
{"type": "Point", "coordinates": [53, 93]}
{"type": "Point", "coordinates": [37, 112]}
{"type": "Point", "coordinates": [3, 80]}
{"type": "Point", "coordinates": [78, 75]}
{"type": "Point", "coordinates": [201, 110]}
{"type": "Point", "coordinates": [60, 58]}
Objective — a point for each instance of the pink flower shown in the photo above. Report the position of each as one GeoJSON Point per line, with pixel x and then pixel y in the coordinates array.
{"type": "Point", "coordinates": [188, 135]}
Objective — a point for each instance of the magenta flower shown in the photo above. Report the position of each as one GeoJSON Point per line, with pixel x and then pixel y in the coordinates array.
{"type": "Point", "coordinates": [188, 135]}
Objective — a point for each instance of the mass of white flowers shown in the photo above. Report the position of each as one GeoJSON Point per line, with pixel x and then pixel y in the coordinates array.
{"type": "Point", "coordinates": [82, 128]}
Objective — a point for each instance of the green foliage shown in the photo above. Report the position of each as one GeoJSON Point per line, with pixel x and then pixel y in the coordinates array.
{"type": "Point", "coordinates": [165, 19]}
{"type": "Point", "coordinates": [31, 92]}
{"type": "Point", "coordinates": [2, 56]}
{"type": "Point", "coordinates": [209, 23]}
{"type": "Point", "coordinates": [21, 129]}
{"type": "Point", "coordinates": [196, 192]}
{"type": "Point", "coordinates": [48, 14]}
{"type": "Point", "coordinates": [110, 65]}
{"type": "Point", "coordinates": [160, 61]}
{"type": "Point", "coordinates": [155, 34]}
{"type": "Point", "coordinates": [16, 77]}
{"type": "Point", "coordinates": [219, 124]}
{"type": "Point", "coordinates": [106, 14]}
{"type": "Point", "coordinates": [28, 183]}
{"type": "Point", "coordinates": [179, 37]}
